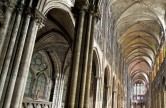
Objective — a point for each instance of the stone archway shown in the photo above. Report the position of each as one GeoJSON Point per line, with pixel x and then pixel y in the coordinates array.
{"type": "Point", "coordinates": [105, 87]}
{"type": "Point", "coordinates": [94, 81]}
{"type": "Point", "coordinates": [55, 38]}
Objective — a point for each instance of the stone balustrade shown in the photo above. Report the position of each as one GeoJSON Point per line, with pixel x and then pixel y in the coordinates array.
{"type": "Point", "coordinates": [36, 104]}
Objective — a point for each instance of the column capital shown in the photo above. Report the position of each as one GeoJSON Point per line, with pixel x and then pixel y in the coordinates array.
{"type": "Point", "coordinates": [108, 85]}
{"type": "Point", "coordinates": [40, 18]}
{"type": "Point", "coordinates": [5, 6]}
{"type": "Point", "coordinates": [79, 7]}
{"type": "Point", "coordinates": [10, 5]}
{"type": "Point", "coordinates": [98, 77]}
{"type": "Point", "coordinates": [82, 5]}
{"type": "Point", "coordinates": [19, 8]}
{"type": "Point", "coordinates": [91, 9]}
{"type": "Point", "coordinates": [27, 10]}
{"type": "Point", "coordinates": [97, 14]}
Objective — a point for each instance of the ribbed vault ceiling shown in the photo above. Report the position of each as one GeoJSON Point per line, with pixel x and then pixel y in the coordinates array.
{"type": "Point", "coordinates": [139, 27]}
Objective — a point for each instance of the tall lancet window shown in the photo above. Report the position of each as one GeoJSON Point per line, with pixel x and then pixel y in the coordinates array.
{"type": "Point", "coordinates": [29, 84]}
{"type": "Point", "coordinates": [41, 85]}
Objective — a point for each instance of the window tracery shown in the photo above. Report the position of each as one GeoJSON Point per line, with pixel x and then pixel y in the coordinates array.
{"type": "Point", "coordinates": [37, 82]}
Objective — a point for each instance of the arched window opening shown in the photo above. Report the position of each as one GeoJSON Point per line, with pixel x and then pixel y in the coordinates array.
{"type": "Point", "coordinates": [139, 89]}
{"type": "Point", "coordinates": [29, 85]}
{"type": "Point", "coordinates": [37, 78]}
{"type": "Point", "coordinates": [93, 86]}
{"type": "Point", "coordinates": [41, 86]}
{"type": "Point", "coordinates": [105, 89]}
{"type": "Point", "coordinates": [113, 92]}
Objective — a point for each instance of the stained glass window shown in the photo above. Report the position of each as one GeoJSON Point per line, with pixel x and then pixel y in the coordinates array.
{"type": "Point", "coordinates": [41, 85]}
{"type": "Point", "coordinates": [29, 83]}
{"type": "Point", "coordinates": [36, 85]}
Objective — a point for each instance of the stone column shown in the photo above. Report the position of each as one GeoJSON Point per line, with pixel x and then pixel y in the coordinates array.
{"type": "Point", "coordinates": [115, 99]}
{"type": "Point", "coordinates": [25, 64]}
{"type": "Point", "coordinates": [158, 63]}
{"type": "Point", "coordinates": [5, 25]}
{"type": "Point", "coordinates": [161, 56]}
{"type": "Point", "coordinates": [164, 50]}
{"type": "Point", "coordinates": [107, 96]}
{"type": "Point", "coordinates": [7, 39]}
{"type": "Point", "coordinates": [61, 93]}
{"type": "Point", "coordinates": [155, 98]}
{"type": "Point", "coordinates": [85, 62]}
{"type": "Point", "coordinates": [119, 101]}
{"type": "Point", "coordinates": [17, 60]}
{"type": "Point", "coordinates": [152, 97]}
{"type": "Point", "coordinates": [2, 57]}
{"type": "Point", "coordinates": [164, 100]}
{"type": "Point", "coordinates": [89, 67]}
{"type": "Point", "coordinates": [76, 59]}
{"type": "Point", "coordinates": [98, 92]}
{"type": "Point", "coordinates": [55, 92]}
{"type": "Point", "coordinates": [58, 88]}
{"type": "Point", "coordinates": [159, 98]}
{"type": "Point", "coordinates": [150, 89]}
{"type": "Point", "coordinates": [122, 102]}
{"type": "Point", "coordinates": [58, 94]}
{"type": "Point", "coordinates": [10, 50]}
